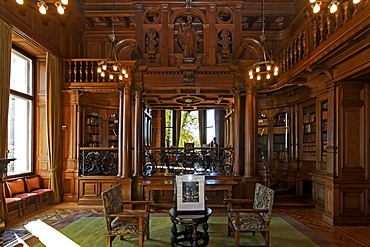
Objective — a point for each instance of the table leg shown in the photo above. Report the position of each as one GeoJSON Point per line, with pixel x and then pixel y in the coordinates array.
{"type": "Point", "coordinates": [205, 228]}
{"type": "Point", "coordinates": [174, 232]}
{"type": "Point", "coordinates": [195, 236]}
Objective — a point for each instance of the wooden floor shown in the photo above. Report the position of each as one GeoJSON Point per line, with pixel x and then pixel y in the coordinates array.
{"type": "Point", "coordinates": [346, 236]}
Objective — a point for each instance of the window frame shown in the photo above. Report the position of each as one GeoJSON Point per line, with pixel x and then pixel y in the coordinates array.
{"type": "Point", "coordinates": [32, 98]}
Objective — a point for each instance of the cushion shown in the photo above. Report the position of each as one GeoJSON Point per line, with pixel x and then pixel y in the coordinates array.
{"type": "Point", "coordinates": [42, 191]}
{"type": "Point", "coordinates": [15, 187]}
{"type": "Point", "coordinates": [33, 183]}
{"type": "Point", "coordinates": [249, 222]}
{"type": "Point", "coordinates": [12, 200]}
{"type": "Point", "coordinates": [127, 225]}
{"type": "Point", "coordinates": [25, 195]}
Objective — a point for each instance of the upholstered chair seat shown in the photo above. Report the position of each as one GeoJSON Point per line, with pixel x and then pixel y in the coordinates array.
{"type": "Point", "coordinates": [128, 226]}
{"type": "Point", "coordinates": [249, 222]}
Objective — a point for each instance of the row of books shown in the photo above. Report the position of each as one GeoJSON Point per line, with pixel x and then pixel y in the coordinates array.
{"type": "Point", "coordinates": [309, 156]}
{"type": "Point", "coordinates": [324, 125]}
{"type": "Point", "coordinates": [309, 118]}
{"type": "Point", "coordinates": [309, 128]}
{"type": "Point", "coordinates": [309, 138]}
{"type": "Point", "coordinates": [309, 148]}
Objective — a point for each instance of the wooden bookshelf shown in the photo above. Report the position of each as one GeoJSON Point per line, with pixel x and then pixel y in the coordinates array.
{"type": "Point", "coordinates": [324, 130]}
{"type": "Point", "coordinates": [281, 136]}
{"type": "Point", "coordinates": [309, 133]}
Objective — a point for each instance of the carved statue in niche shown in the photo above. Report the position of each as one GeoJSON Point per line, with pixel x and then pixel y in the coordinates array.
{"type": "Point", "coordinates": [151, 43]}
{"type": "Point", "coordinates": [225, 41]}
{"type": "Point", "coordinates": [188, 38]}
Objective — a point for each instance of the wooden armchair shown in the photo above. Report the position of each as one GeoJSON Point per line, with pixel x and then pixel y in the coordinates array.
{"type": "Point", "coordinates": [255, 219]}
{"type": "Point", "coordinates": [121, 222]}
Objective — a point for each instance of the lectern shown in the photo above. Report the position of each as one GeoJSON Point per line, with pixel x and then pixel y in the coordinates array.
{"type": "Point", "coordinates": [4, 214]}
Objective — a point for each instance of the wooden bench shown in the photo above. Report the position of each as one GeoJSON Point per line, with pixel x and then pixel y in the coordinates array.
{"type": "Point", "coordinates": [25, 192]}
{"type": "Point", "coordinates": [16, 189]}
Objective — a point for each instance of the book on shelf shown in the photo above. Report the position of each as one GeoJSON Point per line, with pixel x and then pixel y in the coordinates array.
{"type": "Point", "coordinates": [325, 115]}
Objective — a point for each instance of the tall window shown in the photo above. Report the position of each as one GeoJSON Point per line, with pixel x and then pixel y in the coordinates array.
{"type": "Point", "coordinates": [20, 117]}
{"type": "Point", "coordinates": [189, 130]}
{"type": "Point", "coordinates": [170, 122]}
{"type": "Point", "coordinates": [211, 125]}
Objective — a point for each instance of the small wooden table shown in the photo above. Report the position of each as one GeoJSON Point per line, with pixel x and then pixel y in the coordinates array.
{"type": "Point", "coordinates": [190, 234]}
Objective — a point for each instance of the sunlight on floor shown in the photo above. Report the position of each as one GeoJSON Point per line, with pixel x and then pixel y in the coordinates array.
{"type": "Point", "coordinates": [48, 235]}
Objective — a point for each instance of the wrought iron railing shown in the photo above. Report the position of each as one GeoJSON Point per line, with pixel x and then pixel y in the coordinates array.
{"type": "Point", "coordinates": [172, 161]}
{"type": "Point", "coordinates": [98, 162]}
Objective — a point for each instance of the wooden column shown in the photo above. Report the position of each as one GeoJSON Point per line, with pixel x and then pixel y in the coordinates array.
{"type": "Point", "coordinates": [237, 132]}
{"type": "Point", "coordinates": [295, 132]}
{"type": "Point", "coordinates": [138, 134]}
{"type": "Point", "coordinates": [124, 140]}
{"type": "Point", "coordinates": [120, 129]}
{"type": "Point", "coordinates": [250, 133]}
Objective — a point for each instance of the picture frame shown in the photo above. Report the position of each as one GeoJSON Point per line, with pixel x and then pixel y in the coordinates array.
{"type": "Point", "coordinates": [190, 193]}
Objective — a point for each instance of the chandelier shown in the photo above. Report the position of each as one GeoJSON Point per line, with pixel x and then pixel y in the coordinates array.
{"type": "Point", "coordinates": [112, 68]}
{"type": "Point", "coordinates": [265, 67]}
{"type": "Point", "coordinates": [333, 6]}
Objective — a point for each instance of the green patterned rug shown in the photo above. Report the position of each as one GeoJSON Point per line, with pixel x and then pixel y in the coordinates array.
{"type": "Point", "coordinates": [89, 230]}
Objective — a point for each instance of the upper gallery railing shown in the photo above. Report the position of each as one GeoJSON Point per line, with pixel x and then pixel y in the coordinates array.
{"type": "Point", "coordinates": [172, 161]}
{"type": "Point", "coordinates": [317, 29]}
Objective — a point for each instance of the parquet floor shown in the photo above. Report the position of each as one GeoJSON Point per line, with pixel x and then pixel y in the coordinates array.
{"type": "Point", "coordinates": [343, 236]}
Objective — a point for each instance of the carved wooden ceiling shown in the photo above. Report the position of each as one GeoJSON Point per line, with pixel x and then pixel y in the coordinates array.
{"type": "Point", "coordinates": [97, 15]}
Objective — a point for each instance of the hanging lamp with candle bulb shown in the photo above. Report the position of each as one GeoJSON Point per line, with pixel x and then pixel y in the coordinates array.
{"type": "Point", "coordinates": [265, 68]}
{"type": "Point", "coordinates": [112, 67]}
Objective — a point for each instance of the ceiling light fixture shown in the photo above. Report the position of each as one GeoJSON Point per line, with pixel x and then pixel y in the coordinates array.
{"type": "Point", "coordinates": [112, 68]}
{"type": "Point", "coordinates": [265, 67]}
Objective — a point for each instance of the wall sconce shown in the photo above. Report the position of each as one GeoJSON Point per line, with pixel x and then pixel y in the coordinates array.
{"type": "Point", "coordinates": [316, 6]}
{"type": "Point", "coordinates": [60, 7]}
{"type": "Point", "coordinates": [333, 6]}
{"type": "Point", "coordinates": [43, 7]}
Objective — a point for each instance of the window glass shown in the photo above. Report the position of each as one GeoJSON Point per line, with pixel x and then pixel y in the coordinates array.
{"type": "Point", "coordinates": [211, 130]}
{"type": "Point", "coordinates": [20, 116]}
{"type": "Point", "coordinates": [21, 79]}
{"type": "Point", "coordinates": [189, 129]}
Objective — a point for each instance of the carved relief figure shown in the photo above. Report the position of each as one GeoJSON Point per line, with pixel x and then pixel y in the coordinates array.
{"type": "Point", "coordinates": [225, 41]}
{"type": "Point", "coordinates": [188, 38]}
{"type": "Point", "coordinates": [151, 43]}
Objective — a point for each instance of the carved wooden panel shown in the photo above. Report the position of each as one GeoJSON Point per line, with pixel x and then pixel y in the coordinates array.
{"type": "Point", "coordinates": [353, 202]}
{"type": "Point", "coordinates": [351, 147]}
{"type": "Point", "coordinates": [90, 189]}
